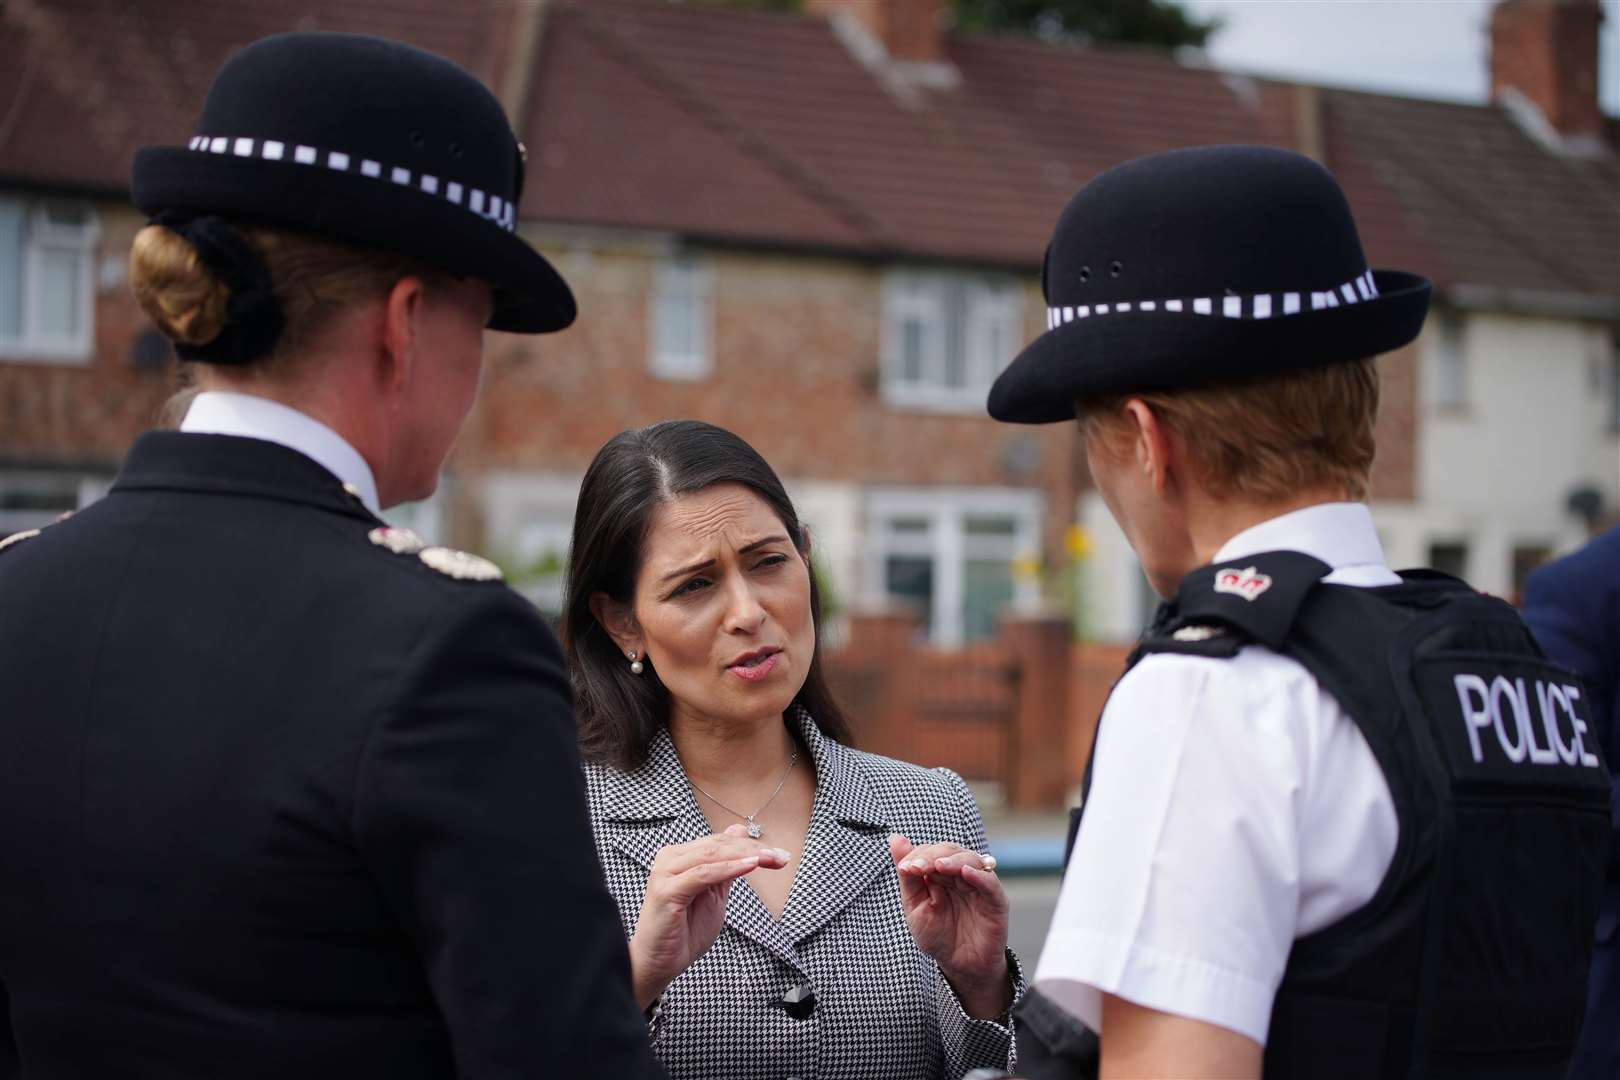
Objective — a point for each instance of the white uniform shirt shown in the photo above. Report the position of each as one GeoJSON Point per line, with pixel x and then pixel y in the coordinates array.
{"type": "Point", "coordinates": [219, 412]}
{"type": "Point", "coordinates": [1233, 808]}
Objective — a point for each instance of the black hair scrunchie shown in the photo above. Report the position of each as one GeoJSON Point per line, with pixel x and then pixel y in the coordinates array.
{"type": "Point", "coordinates": [253, 317]}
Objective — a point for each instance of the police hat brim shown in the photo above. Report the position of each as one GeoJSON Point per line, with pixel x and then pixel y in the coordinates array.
{"type": "Point", "coordinates": [530, 296]}
{"type": "Point", "coordinates": [1138, 352]}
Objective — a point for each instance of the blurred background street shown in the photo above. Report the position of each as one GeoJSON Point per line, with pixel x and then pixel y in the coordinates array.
{"type": "Point", "coordinates": [820, 223]}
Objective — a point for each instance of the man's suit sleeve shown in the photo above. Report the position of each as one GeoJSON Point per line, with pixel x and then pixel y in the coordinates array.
{"type": "Point", "coordinates": [470, 814]}
{"type": "Point", "coordinates": [1572, 607]}
{"type": "Point", "coordinates": [1568, 617]}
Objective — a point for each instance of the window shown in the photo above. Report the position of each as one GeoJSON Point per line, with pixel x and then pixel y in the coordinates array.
{"type": "Point", "coordinates": [947, 336]}
{"type": "Point", "coordinates": [32, 500]}
{"type": "Point", "coordinates": [47, 298]}
{"type": "Point", "coordinates": [951, 556]}
{"type": "Point", "coordinates": [682, 315]}
{"type": "Point", "coordinates": [1449, 557]}
{"type": "Point", "coordinates": [1450, 366]}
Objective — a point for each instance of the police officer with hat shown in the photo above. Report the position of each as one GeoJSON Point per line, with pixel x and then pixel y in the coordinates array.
{"type": "Point", "coordinates": [285, 791]}
{"type": "Point", "coordinates": [1338, 822]}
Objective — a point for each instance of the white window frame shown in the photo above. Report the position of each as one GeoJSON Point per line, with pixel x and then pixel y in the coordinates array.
{"type": "Point", "coordinates": [947, 543]}
{"type": "Point", "coordinates": [40, 234]}
{"type": "Point", "coordinates": [992, 302]}
{"type": "Point", "coordinates": [690, 278]}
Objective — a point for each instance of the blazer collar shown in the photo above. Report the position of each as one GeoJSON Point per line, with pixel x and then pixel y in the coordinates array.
{"type": "Point", "coordinates": [845, 848]}
{"type": "Point", "coordinates": [658, 790]}
{"type": "Point", "coordinates": [229, 464]}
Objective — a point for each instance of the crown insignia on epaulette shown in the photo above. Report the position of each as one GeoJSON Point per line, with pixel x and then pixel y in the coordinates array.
{"type": "Point", "coordinates": [1248, 583]}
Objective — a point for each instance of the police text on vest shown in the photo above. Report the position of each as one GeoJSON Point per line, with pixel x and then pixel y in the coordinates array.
{"type": "Point", "coordinates": [1504, 707]}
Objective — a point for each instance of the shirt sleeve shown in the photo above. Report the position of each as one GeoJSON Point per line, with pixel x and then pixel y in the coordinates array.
{"type": "Point", "coordinates": [470, 815]}
{"type": "Point", "coordinates": [970, 1043]}
{"type": "Point", "coordinates": [1183, 889]}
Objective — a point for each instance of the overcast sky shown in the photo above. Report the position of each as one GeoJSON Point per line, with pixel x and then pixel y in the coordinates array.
{"type": "Point", "coordinates": [1427, 48]}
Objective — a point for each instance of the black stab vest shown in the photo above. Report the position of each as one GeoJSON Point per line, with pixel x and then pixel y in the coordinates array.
{"type": "Point", "coordinates": [1471, 959]}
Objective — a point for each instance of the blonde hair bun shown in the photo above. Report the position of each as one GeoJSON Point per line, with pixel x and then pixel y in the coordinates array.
{"type": "Point", "coordinates": [178, 293]}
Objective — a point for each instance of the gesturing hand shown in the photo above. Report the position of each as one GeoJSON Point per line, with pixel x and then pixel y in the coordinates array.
{"type": "Point", "coordinates": [957, 913]}
{"type": "Point", "coordinates": [685, 904]}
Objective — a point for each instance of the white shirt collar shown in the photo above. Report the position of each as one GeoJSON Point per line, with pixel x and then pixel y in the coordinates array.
{"type": "Point", "coordinates": [222, 412]}
{"type": "Point", "coordinates": [1340, 534]}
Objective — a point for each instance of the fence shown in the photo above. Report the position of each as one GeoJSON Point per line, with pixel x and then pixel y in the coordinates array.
{"type": "Point", "coordinates": [1019, 710]}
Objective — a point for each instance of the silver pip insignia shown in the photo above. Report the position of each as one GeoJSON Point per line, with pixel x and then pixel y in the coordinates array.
{"type": "Point", "coordinates": [460, 564]}
{"type": "Point", "coordinates": [1196, 633]}
{"type": "Point", "coordinates": [399, 541]}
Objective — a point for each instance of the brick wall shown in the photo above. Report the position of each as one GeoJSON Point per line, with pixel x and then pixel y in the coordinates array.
{"type": "Point", "coordinates": [1395, 467]}
{"type": "Point", "coordinates": [1020, 711]}
{"type": "Point", "coordinates": [796, 349]}
{"type": "Point", "coordinates": [87, 415]}
{"type": "Point", "coordinates": [796, 346]}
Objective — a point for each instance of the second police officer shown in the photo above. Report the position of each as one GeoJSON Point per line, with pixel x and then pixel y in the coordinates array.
{"type": "Point", "coordinates": [1339, 821]}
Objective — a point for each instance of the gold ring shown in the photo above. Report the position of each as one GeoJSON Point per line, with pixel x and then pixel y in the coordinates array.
{"type": "Point", "coordinates": [989, 863]}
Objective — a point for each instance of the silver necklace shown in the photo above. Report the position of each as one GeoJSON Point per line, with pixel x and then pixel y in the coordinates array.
{"type": "Point", "coordinates": [754, 831]}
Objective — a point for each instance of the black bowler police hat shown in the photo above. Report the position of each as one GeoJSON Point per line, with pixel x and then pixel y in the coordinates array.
{"type": "Point", "coordinates": [1203, 266]}
{"type": "Point", "coordinates": [367, 141]}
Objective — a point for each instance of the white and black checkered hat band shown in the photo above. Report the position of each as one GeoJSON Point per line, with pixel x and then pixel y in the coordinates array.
{"type": "Point", "coordinates": [1258, 306]}
{"type": "Point", "coordinates": [474, 200]}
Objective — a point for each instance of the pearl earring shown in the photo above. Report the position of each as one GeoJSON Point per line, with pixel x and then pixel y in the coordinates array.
{"type": "Point", "coordinates": [636, 666]}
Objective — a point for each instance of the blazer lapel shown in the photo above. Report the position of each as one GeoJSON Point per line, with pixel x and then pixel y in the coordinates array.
{"type": "Point", "coordinates": [848, 843]}
{"type": "Point", "coordinates": [653, 807]}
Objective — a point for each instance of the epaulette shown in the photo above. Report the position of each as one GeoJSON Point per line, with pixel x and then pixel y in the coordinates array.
{"type": "Point", "coordinates": [1195, 639]}
{"type": "Point", "coordinates": [1222, 607]}
{"type": "Point", "coordinates": [16, 538]}
{"type": "Point", "coordinates": [461, 565]}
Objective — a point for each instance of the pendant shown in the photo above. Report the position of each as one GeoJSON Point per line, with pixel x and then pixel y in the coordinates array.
{"type": "Point", "coordinates": [754, 831]}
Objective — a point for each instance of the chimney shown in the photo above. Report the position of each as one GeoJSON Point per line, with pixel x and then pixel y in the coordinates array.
{"type": "Point", "coordinates": [910, 31]}
{"type": "Point", "coordinates": [1544, 53]}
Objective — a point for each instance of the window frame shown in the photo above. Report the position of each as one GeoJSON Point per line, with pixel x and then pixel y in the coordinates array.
{"type": "Point", "coordinates": [675, 275]}
{"type": "Point", "coordinates": [947, 510]}
{"type": "Point", "coordinates": [40, 236]}
{"type": "Point", "coordinates": [990, 299]}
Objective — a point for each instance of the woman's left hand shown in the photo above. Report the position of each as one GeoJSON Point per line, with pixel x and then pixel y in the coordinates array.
{"type": "Point", "coordinates": [957, 912]}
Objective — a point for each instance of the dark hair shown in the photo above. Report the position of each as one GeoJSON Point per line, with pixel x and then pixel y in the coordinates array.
{"type": "Point", "coordinates": [619, 712]}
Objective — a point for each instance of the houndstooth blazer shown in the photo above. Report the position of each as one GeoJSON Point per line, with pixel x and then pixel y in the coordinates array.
{"type": "Point", "coordinates": [882, 1009]}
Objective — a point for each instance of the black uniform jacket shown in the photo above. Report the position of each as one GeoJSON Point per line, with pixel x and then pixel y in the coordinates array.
{"type": "Point", "coordinates": [276, 801]}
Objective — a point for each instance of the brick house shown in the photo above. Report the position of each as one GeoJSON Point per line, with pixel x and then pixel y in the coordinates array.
{"type": "Point", "coordinates": [824, 231]}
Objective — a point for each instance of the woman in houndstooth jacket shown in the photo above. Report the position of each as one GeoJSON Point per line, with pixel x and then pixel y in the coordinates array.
{"type": "Point", "coordinates": [795, 907]}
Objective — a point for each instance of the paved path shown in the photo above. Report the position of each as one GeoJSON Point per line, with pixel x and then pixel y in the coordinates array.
{"type": "Point", "coordinates": [1033, 844]}
{"type": "Point", "coordinates": [1030, 901]}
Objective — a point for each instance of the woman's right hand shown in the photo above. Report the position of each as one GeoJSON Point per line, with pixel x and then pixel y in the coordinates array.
{"type": "Point", "coordinates": [685, 904]}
